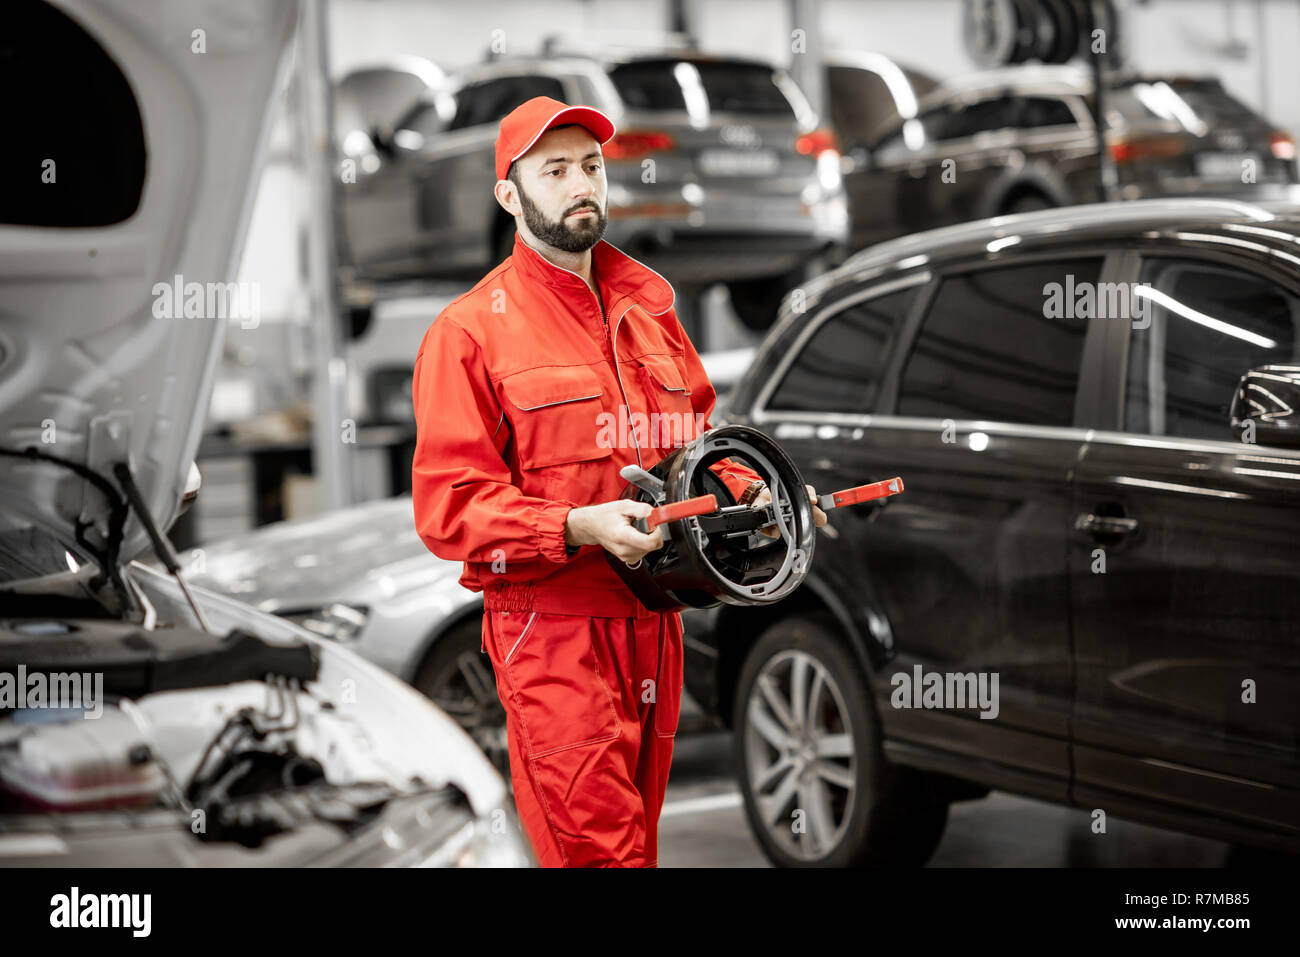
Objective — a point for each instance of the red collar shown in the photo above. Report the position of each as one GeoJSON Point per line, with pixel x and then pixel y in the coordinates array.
{"type": "Point", "coordinates": [621, 275]}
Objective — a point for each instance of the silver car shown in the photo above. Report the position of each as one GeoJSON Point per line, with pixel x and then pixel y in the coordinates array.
{"type": "Point", "coordinates": [720, 172]}
{"type": "Point", "coordinates": [144, 721]}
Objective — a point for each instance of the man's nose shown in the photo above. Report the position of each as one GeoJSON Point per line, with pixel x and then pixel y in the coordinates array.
{"type": "Point", "coordinates": [582, 187]}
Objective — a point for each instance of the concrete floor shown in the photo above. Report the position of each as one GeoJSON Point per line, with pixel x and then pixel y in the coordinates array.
{"type": "Point", "coordinates": [704, 825]}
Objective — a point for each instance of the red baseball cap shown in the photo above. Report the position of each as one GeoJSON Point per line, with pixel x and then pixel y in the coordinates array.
{"type": "Point", "coordinates": [524, 125]}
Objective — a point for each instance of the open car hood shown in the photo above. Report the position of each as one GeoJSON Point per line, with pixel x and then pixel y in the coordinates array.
{"type": "Point", "coordinates": [156, 114]}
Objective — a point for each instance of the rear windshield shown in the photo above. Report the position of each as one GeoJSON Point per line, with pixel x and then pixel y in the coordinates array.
{"type": "Point", "coordinates": [727, 87]}
{"type": "Point", "coordinates": [1146, 102]}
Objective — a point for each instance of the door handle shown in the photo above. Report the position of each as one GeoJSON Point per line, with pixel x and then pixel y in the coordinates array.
{"type": "Point", "coordinates": [1105, 524]}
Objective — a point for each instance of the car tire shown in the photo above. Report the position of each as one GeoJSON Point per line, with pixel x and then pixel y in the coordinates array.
{"type": "Point", "coordinates": [756, 301]}
{"type": "Point", "coordinates": [458, 677]}
{"type": "Point", "coordinates": [873, 813]}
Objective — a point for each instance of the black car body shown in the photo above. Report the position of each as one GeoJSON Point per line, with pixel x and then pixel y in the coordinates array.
{"type": "Point", "coordinates": [1080, 518]}
{"type": "Point", "coordinates": [1023, 138]}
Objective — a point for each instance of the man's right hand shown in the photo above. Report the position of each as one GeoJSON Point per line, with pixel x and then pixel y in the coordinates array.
{"type": "Point", "coordinates": [609, 525]}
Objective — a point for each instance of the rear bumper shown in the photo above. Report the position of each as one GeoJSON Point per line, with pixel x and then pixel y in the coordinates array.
{"type": "Point", "coordinates": [725, 233]}
{"type": "Point", "coordinates": [708, 256]}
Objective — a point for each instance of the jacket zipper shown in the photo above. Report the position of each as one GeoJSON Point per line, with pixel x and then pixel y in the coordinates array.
{"type": "Point", "coordinates": [613, 348]}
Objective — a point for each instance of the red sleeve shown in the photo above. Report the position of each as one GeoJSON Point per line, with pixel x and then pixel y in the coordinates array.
{"type": "Point", "coordinates": [466, 507]}
{"type": "Point", "coordinates": [735, 476]}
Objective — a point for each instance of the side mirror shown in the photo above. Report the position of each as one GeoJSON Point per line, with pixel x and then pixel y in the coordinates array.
{"type": "Point", "coordinates": [1266, 406]}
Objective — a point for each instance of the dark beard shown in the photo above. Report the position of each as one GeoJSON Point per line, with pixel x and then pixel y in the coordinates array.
{"type": "Point", "coordinates": [578, 238]}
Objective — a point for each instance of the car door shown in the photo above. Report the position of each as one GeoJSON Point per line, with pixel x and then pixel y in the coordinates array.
{"type": "Point", "coordinates": [1184, 559]}
{"type": "Point", "coordinates": [964, 573]}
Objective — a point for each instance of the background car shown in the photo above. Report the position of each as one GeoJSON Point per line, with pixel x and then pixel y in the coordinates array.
{"type": "Point", "coordinates": [1100, 509]}
{"type": "Point", "coordinates": [1022, 138]}
{"type": "Point", "coordinates": [719, 172]}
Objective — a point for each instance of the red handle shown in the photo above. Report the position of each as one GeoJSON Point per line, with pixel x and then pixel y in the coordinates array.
{"type": "Point", "coordinates": [701, 505]}
{"type": "Point", "coordinates": [862, 493]}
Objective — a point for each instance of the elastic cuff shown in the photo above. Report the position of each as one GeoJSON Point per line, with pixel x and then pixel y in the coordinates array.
{"type": "Point", "coordinates": [551, 519]}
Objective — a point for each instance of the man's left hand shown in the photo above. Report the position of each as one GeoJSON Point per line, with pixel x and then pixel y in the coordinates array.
{"type": "Point", "coordinates": [773, 530]}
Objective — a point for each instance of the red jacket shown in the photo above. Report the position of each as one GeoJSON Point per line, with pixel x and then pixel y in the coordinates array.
{"type": "Point", "coordinates": [518, 419]}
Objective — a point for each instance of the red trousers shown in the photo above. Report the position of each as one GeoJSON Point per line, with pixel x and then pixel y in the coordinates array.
{"type": "Point", "coordinates": [591, 713]}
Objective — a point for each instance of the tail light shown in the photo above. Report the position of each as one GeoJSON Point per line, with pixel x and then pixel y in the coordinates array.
{"type": "Point", "coordinates": [817, 142]}
{"type": "Point", "coordinates": [636, 143]}
{"type": "Point", "coordinates": [1283, 146]}
{"type": "Point", "coordinates": [1133, 150]}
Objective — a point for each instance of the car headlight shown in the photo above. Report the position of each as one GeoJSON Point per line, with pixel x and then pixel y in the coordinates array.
{"type": "Point", "coordinates": [336, 621]}
{"type": "Point", "coordinates": [494, 840]}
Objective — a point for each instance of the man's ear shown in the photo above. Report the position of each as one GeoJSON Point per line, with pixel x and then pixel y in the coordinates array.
{"type": "Point", "coordinates": [508, 196]}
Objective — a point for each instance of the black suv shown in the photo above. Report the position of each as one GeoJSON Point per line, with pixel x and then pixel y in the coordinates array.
{"type": "Point", "coordinates": [1088, 591]}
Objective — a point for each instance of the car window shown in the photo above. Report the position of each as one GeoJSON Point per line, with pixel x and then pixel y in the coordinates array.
{"type": "Point", "coordinates": [488, 101]}
{"type": "Point", "coordinates": [985, 116]}
{"type": "Point", "coordinates": [665, 84]}
{"type": "Point", "coordinates": [1205, 326]}
{"type": "Point", "coordinates": [1185, 103]}
{"type": "Point", "coordinates": [994, 347]}
{"type": "Point", "coordinates": [840, 366]}
{"type": "Point", "coordinates": [859, 102]}
{"type": "Point", "coordinates": [934, 122]}
{"type": "Point", "coordinates": [1036, 111]}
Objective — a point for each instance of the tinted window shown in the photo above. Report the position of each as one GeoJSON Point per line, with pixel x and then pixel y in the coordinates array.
{"type": "Point", "coordinates": [982, 117]}
{"type": "Point", "coordinates": [994, 345]}
{"type": "Point", "coordinates": [732, 87]}
{"type": "Point", "coordinates": [74, 153]}
{"type": "Point", "coordinates": [1146, 102]}
{"type": "Point", "coordinates": [1208, 326]}
{"type": "Point", "coordinates": [859, 100]}
{"type": "Point", "coordinates": [490, 100]}
{"type": "Point", "coordinates": [840, 366]}
{"type": "Point", "coordinates": [1036, 111]}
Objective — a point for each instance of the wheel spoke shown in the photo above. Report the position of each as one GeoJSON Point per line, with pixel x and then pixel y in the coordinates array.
{"type": "Point", "coordinates": [834, 745]}
{"type": "Point", "coordinates": [481, 684]}
{"type": "Point", "coordinates": [821, 827]}
{"type": "Point", "coordinates": [774, 771]}
{"type": "Point", "coordinates": [814, 698]}
{"type": "Point", "coordinates": [780, 707]}
{"type": "Point", "coordinates": [460, 708]}
{"type": "Point", "coordinates": [837, 774]}
{"type": "Point", "coordinates": [772, 807]}
{"type": "Point", "coordinates": [798, 689]}
{"type": "Point", "coordinates": [762, 722]}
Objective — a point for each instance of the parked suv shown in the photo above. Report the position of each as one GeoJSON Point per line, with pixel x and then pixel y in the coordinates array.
{"type": "Point", "coordinates": [719, 172]}
{"type": "Point", "coordinates": [1022, 138]}
{"type": "Point", "coordinates": [1094, 414]}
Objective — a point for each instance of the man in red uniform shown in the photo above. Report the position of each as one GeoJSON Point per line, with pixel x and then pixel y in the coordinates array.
{"type": "Point", "coordinates": [531, 391]}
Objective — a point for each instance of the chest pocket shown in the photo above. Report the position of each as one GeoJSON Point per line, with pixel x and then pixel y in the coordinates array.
{"type": "Point", "coordinates": [667, 393]}
{"type": "Point", "coordinates": [556, 415]}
